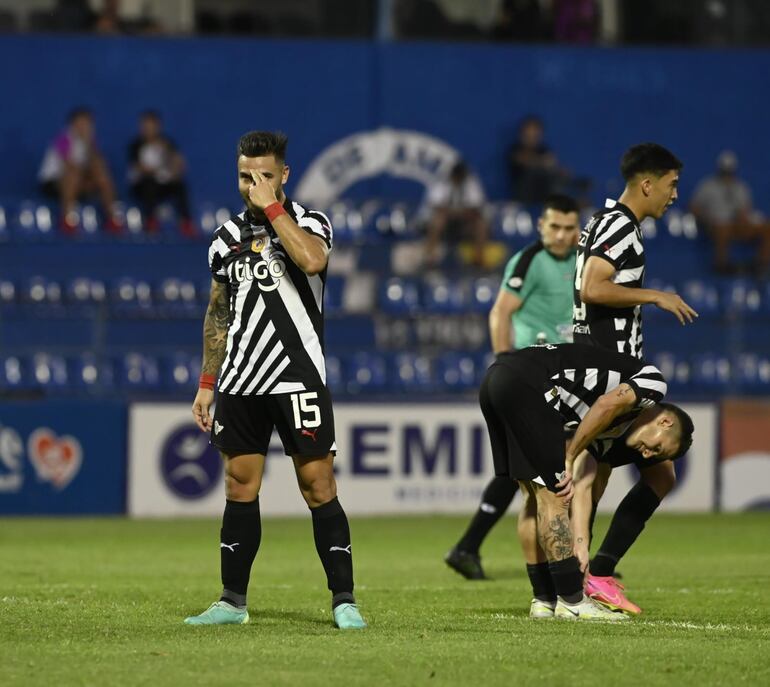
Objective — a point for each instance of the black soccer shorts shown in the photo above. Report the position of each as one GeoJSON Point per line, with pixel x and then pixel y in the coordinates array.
{"type": "Point", "coordinates": [304, 420]}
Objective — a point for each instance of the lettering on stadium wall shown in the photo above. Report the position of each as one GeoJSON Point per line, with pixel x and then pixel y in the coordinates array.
{"type": "Point", "coordinates": [403, 154]}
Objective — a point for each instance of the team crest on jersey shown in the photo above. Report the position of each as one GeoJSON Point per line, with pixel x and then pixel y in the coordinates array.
{"type": "Point", "coordinates": [257, 245]}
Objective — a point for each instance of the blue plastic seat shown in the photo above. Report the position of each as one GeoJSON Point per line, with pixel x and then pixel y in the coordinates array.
{"type": "Point", "coordinates": [413, 372]}
{"type": "Point", "coordinates": [483, 294]}
{"type": "Point", "coordinates": [181, 372]}
{"type": "Point", "coordinates": [457, 371]}
{"type": "Point", "coordinates": [399, 296]}
{"type": "Point", "coordinates": [444, 296]}
{"type": "Point", "coordinates": [742, 296]}
{"type": "Point", "coordinates": [41, 291]}
{"type": "Point", "coordinates": [752, 372]}
{"type": "Point", "coordinates": [85, 291]}
{"type": "Point", "coordinates": [176, 297]}
{"type": "Point", "coordinates": [367, 373]}
{"type": "Point", "coordinates": [89, 373]}
{"type": "Point", "coordinates": [712, 371]}
{"type": "Point", "coordinates": [333, 294]}
{"type": "Point", "coordinates": [8, 295]}
{"type": "Point", "coordinates": [137, 371]}
{"type": "Point", "coordinates": [334, 373]}
{"type": "Point", "coordinates": [131, 296]}
{"type": "Point", "coordinates": [14, 373]}
{"type": "Point", "coordinates": [701, 295]}
{"type": "Point", "coordinates": [675, 368]}
{"type": "Point", "coordinates": [35, 220]}
{"type": "Point", "coordinates": [49, 371]}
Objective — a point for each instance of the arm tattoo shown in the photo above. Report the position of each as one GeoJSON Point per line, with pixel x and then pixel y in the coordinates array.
{"type": "Point", "coordinates": [215, 326]}
{"type": "Point", "coordinates": [555, 537]}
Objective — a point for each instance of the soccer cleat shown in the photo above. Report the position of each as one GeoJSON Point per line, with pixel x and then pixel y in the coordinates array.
{"type": "Point", "coordinates": [219, 613]}
{"type": "Point", "coordinates": [541, 609]}
{"type": "Point", "coordinates": [466, 563]}
{"type": "Point", "coordinates": [348, 617]}
{"type": "Point", "coordinates": [609, 592]}
{"type": "Point", "coordinates": [587, 609]}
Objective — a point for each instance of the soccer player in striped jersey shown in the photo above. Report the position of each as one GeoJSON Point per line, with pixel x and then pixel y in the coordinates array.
{"type": "Point", "coordinates": [609, 293]}
{"type": "Point", "coordinates": [529, 398]}
{"type": "Point", "coordinates": [535, 300]}
{"type": "Point", "coordinates": [263, 341]}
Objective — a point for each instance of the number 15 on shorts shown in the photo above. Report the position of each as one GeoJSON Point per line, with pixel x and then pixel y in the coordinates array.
{"type": "Point", "coordinates": [307, 414]}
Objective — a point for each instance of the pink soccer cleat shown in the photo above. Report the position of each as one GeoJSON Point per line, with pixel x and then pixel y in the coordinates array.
{"type": "Point", "coordinates": [608, 591]}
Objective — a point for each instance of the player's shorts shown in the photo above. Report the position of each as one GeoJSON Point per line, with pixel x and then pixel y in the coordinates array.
{"type": "Point", "coordinates": [304, 420]}
{"type": "Point", "coordinates": [526, 434]}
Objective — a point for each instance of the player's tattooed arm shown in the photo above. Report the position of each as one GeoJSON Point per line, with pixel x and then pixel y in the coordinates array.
{"type": "Point", "coordinates": [601, 414]}
{"type": "Point", "coordinates": [215, 326]}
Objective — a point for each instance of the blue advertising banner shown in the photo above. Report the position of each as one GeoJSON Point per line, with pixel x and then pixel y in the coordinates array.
{"type": "Point", "coordinates": [62, 457]}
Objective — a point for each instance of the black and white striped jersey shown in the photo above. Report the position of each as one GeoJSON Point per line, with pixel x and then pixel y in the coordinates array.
{"type": "Point", "coordinates": [612, 234]}
{"type": "Point", "coordinates": [572, 377]}
{"type": "Point", "coordinates": [275, 340]}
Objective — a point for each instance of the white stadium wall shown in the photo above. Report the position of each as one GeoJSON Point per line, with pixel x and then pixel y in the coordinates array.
{"type": "Point", "coordinates": [392, 458]}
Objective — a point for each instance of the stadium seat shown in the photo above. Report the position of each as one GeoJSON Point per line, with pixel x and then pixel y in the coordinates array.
{"type": "Point", "coordinates": [131, 296]}
{"type": "Point", "coordinates": [367, 373]}
{"type": "Point", "coordinates": [84, 291]}
{"type": "Point", "coordinates": [89, 373]}
{"type": "Point", "coordinates": [711, 371]}
{"type": "Point", "coordinates": [510, 221]}
{"type": "Point", "coordinates": [333, 294]}
{"type": "Point", "coordinates": [14, 373]}
{"type": "Point", "coordinates": [457, 371]}
{"type": "Point", "coordinates": [702, 296]}
{"type": "Point", "coordinates": [181, 372]}
{"type": "Point", "coordinates": [752, 372]}
{"type": "Point", "coordinates": [413, 372]}
{"type": "Point", "coordinates": [675, 368]}
{"type": "Point", "coordinates": [137, 371]}
{"type": "Point", "coordinates": [334, 373]}
{"type": "Point", "coordinates": [176, 297]}
{"type": "Point", "coordinates": [35, 220]}
{"type": "Point", "coordinates": [483, 294]}
{"type": "Point", "coordinates": [441, 295]}
{"type": "Point", "coordinates": [742, 296]}
{"type": "Point", "coordinates": [399, 296]}
{"type": "Point", "coordinates": [41, 291]}
{"type": "Point", "coordinates": [4, 236]}
{"type": "Point", "coordinates": [7, 293]}
{"type": "Point", "coordinates": [49, 371]}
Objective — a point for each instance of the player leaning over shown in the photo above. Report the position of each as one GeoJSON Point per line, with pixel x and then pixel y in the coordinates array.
{"type": "Point", "coordinates": [609, 293]}
{"type": "Point", "coordinates": [263, 339]}
{"type": "Point", "coordinates": [528, 398]}
{"type": "Point", "coordinates": [535, 298]}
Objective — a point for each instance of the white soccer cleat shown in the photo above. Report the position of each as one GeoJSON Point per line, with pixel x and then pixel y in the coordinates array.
{"type": "Point", "coordinates": [541, 609]}
{"type": "Point", "coordinates": [587, 609]}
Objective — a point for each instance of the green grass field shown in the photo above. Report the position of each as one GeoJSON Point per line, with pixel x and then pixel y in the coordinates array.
{"type": "Point", "coordinates": [101, 602]}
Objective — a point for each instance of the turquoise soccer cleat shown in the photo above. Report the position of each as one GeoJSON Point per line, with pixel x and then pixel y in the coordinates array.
{"type": "Point", "coordinates": [219, 613]}
{"type": "Point", "coordinates": [348, 617]}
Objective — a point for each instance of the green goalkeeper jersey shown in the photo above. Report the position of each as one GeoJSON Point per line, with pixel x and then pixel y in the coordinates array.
{"type": "Point", "coordinates": [544, 284]}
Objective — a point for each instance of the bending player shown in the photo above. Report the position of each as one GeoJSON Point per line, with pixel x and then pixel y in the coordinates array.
{"type": "Point", "coordinates": [528, 399]}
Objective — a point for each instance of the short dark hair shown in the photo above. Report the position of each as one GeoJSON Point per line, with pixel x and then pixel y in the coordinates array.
{"type": "Point", "coordinates": [686, 428]}
{"type": "Point", "coordinates": [263, 143]}
{"type": "Point", "coordinates": [561, 203]}
{"type": "Point", "coordinates": [648, 157]}
{"type": "Point", "coordinates": [80, 111]}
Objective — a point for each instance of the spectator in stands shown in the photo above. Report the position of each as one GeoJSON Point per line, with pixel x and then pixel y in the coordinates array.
{"type": "Point", "coordinates": [456, 203]}
{"type": "Point", "coordinates": [73, 168]}
{"type": "Point", "coordinates": [535, 170]}
{"type": "Point", "coordinates": [156, 173]}
{"type": "Point", "coordinates": [520, 20]}
{"type": "Point", "coordinates": [723, 204]}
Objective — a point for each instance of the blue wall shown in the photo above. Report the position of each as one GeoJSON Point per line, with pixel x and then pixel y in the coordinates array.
{"type": "Point", "coordinates": [595, 101]}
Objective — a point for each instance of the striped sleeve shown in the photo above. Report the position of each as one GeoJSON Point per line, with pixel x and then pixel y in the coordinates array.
{"type": "Point", "coordinates": [614, 240]}
{"type": "Point", "coordinates": [649, 385]}
{"type": "Point", "coordinates": [314, 222]}
{"type": "Point", "coordinates": [217, 251]}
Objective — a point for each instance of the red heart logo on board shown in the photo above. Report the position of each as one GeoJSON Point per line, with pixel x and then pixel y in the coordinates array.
{"type": "Point", "coordinates": [56, 459]}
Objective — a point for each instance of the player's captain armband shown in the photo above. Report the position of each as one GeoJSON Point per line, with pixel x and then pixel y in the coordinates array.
{"type": "Point", "coordinates": [274, 210]}
{"type": "Point", "coordinates": [207, 382]}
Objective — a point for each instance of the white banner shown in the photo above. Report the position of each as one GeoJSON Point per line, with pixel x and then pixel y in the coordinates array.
{"type": "Point", "coordinates": [392, 458]}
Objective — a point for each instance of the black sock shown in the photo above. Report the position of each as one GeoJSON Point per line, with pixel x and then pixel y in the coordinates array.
{"type": "Point", "coordinates": [627, 524]}
{"type": "Point", "coordinates": [494, 502]}
{"type": "Point", "coordinates": [567, 579]}
{"type": "Point", "coordinates": [240, 536]}
{"type": "Point", "coordinates": [542, 584]}
{"type": "Point", "coordinates": [332, 541]}
{"type": "Point", "coordinates": [594, 506]}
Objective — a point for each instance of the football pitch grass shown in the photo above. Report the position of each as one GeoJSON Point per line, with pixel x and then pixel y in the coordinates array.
{"type": "Point", "coordinates": [101, 602]}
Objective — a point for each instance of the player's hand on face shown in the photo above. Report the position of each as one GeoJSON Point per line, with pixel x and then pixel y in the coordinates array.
{"type": "Point", "coordinates": [673, 303]}
{"type": "Point", "coordinates": [261, 193]}
{"type": "Point", "coordinates": [200, 409]}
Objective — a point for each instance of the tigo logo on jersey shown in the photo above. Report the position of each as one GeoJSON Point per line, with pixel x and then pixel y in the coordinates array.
{"type": "Point", "coordinates": [56, 459]}
{"type": "Point", "coordinates": [266, 273]}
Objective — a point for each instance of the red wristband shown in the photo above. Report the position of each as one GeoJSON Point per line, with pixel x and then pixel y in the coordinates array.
{"type": "Point", "coordinates": [207, 382]}
{"type": "Point", "coordinates": [274, 210]}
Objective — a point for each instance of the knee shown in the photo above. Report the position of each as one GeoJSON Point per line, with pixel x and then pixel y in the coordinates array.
{"type": "Point", "coordinates": [242, 487]}
{"type": "Point", "coordinates": [319, 489]}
